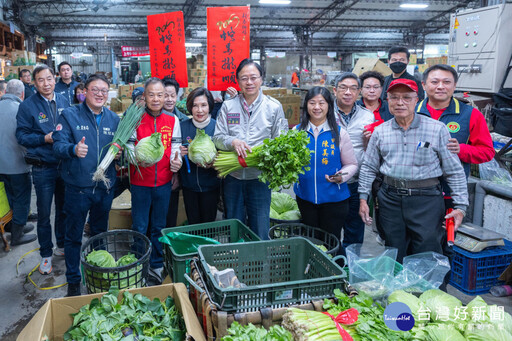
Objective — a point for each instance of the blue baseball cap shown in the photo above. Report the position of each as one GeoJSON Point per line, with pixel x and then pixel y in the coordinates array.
{"type": "Point", "coordinates": [137, 92]}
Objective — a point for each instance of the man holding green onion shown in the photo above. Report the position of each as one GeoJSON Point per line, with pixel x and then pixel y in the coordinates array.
{"type": "Point", "coordinates": [82, 133]}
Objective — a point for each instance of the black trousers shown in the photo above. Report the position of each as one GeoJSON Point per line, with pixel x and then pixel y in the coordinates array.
{"type": "Point", "coordinates": [172, 212]}
{"type": "Point", "coordinates": [201, 207]}
{"type": "Point", "coordinates": [330, 216]}
{"type": "Point", "coordinates": [412, 224]}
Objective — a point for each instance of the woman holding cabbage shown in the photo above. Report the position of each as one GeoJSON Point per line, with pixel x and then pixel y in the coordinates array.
{"type": "Point", "coordinates": [322, 192]}
{"type": "Point", "coordinates": [199, 181]}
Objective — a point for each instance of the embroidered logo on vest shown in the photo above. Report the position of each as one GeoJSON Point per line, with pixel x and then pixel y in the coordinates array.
{"type": "Point", "coordinates": [453, 127]}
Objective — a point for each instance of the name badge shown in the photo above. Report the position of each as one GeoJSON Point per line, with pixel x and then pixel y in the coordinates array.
{"type": "Point", "coordinates": [233, 118]}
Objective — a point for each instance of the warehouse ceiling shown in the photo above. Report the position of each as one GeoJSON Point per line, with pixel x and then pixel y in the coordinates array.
{"type": "Point", "coordinates": [321, 25]}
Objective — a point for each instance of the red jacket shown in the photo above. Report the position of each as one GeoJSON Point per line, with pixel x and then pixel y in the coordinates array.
{"type": "Point", "coordinates": [160, 173]}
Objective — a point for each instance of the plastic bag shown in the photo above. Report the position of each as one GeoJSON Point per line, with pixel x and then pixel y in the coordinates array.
{"type": "Point", "coordinates": [184, 243]}
{"type": "Point", "coordinates": [421, 272]}
{"type": "Point", "coordinates": [493, 172]}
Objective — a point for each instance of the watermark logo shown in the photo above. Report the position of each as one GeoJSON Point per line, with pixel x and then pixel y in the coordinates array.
{"type": "Point", "coordinates": [398, 316]}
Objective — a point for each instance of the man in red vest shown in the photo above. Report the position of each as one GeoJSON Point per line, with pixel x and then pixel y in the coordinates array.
{"type": "Point", "coordinates": [151, 183]}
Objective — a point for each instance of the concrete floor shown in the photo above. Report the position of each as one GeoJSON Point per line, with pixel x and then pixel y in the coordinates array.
{"type": "Point", "coordinates": [21, 300]}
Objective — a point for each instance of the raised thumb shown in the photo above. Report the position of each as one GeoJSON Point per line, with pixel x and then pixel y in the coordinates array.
{"type": "Point", "coordinates": [176, 155]}
{"type": "Point", "coordinates": [82, 140]}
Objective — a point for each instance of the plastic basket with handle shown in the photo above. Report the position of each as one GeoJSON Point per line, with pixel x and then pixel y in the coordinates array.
{"type": "Point", "coordinates": [314, 234]}
{"type": "Point", "coordinates": [223, 231]}
{"type": "Point", "coordinates": [275, 273]}
{"type": "Point", "coordinates": [118, 243]}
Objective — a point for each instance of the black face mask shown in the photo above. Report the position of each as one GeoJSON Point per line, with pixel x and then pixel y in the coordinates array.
{"type": "Point", "coordinates": [397, 67]}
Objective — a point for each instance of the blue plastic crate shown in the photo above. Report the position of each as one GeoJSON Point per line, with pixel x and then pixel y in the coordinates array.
{"type": "Point", "coordinates": [476, 272]}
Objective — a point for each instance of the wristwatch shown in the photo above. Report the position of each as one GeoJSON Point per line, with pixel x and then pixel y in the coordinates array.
{"type": "Point", "coordinates": [462, 211]}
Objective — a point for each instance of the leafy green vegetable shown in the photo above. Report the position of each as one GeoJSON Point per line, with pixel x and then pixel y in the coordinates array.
{"type": "Point", "coordinates": [443, 307]}
{"type": "Point", "coordinates": [101, 258]}
{"type": "Point", "coordinates": [412, 301]}
{"type": "Point", "coordinates": [273, 213]}
{"type": "Point", "coordinates": [283, 202]}
{"type": "Point", "coordinates": [439, 332]}
{"type": "Point", "coordinates": [370, 325]}
{"type": "Point", "coordinates": [134, 318]}
{"type": "Point", "coordinates": [280, 160]}
{"type": "Point", "coordinates": [310, 325]}
{"type": "Point", "coordinates": [237, 332]}
{"type": "Point", "coordinates": [102, 281]}
{"type": "Point", "coordinates": [290, 215]}
{"type": "Point", "coordinates": [150, 149]}
{"type": "Point", "coordinates": [202, 150]}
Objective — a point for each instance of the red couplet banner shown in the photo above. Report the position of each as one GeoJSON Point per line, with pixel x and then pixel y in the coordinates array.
{"type": "Point", "coordinates": [167, 46]}
{"type": "Point", "coordinates": [228, 44]}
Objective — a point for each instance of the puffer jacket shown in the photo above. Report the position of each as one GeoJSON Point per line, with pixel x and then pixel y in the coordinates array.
{"type": "Point", "coordinates": [234, 122]}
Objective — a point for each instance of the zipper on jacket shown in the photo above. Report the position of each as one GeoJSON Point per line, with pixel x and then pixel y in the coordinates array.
{"type": "Point", "coordinates": [316, 140]}
{"type": "Point", "coordinates": [97, 146]}
{"type": "Point", "coordinates": [156, 164]}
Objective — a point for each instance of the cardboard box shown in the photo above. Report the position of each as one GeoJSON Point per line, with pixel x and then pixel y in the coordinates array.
{"type": "Point", "coordinates": [436, 60]}
{"type": "Point", "coordinates": [371, 64]}
{"type": "Point", "coordinates": [115, 104]}
{"type": "Point", "coordinates": [120, 219]}
{"type": "Point", "coordinates": [125, 103]}
{"type": "Point", "coordinates": [413, 59]}
{"type": "Point", "coordinates": [27, 67]}
{"type": "Point", "coordinates": [32, 57]}
{"type": "Point", "coordinates": [422, 67]}
{"type": "Point", "coordinates": [292, 113]}
{"type": "Point", "coordinates": [200, 66]}
{"type": "Point", "coordinates": [19, 55]}
{"type": "Point", "coordinates": [54, 318]}
{"type": "Point", "coordinates": [125, 91]}
{"type": "Point", "coordinates": [8, 70]}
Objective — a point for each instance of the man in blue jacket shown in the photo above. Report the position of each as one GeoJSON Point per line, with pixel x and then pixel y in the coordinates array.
{"type": "Point", "coordinates": [66, 85]}
{"type": "Point", "coordinates": [36, 121]}
{"type": "Point", "coordinates": [82, 133]}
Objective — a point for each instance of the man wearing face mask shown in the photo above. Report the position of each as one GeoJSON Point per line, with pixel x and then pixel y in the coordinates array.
{"type": "Point", "coordinates": [398, 58]}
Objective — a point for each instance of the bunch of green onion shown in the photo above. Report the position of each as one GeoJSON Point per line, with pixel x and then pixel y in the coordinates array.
{"type": "Point", "coordinates": [310, 325]}
{"type": "Point", "coordinates": [130, 121]}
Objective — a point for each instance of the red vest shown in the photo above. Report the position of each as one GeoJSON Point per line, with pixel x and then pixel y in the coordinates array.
{"type": "Point", "coordinates": [160, 173]}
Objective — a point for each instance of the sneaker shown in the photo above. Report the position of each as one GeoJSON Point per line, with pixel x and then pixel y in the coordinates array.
{"type": "Point", "coordinates": [73, 289]}
{"type": "Point", "coordinates": [45, 267]}
{"type": "Point", "coordinates": [58, 251]}
{"type": "Point", "coordinates": [156, 274]}
{"type": "Point", "coordinates": [32, 216]}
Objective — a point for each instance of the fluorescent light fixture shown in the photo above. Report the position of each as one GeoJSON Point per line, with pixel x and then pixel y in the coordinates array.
{"type": "Point", "coordinates": [87, 55]}
{"type": "Point", "coordinates": [275, 2]}
{"type": "Point", "coordinates": [412, 6]}
{"type": "Point", "coordinates": [193, 44]}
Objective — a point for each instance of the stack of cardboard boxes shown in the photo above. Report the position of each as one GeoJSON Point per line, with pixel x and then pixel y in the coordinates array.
{"type": "Point", "coordinates": [291, 104]}
{"type": "Point", "coordinates": [437, 60]}
{"type": "Point", "coordinates": [124, 97]}
{"type": "Point", "coordinates": [196, 74]}
{"type": "Point", "coordinates": [20, 59]}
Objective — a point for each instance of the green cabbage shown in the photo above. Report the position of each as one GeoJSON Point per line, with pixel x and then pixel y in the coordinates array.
{"type": "Point", "coordinates": [282, 202]}
{"type": "Point", "coordinates": [290, 215]}
{"type": "Point", "coordinates": [437, 301]}
{"type": "Point", "coordinates": [202, 150]}
{"type": "Point", "coordinates": [412, 301]}
{"type": "Point", "coordinates": [273, 213]}
{"type": "Point", "coordinates": [122, 280]}
{"type": "Point", "coordinates": [477, 310]}
{"type": "Point", "coordinates": [150, 149]}
{"type": "Point", "coordinates": [441, 332]}
{"type": "Point", "coordinates": [487, 332]}
{"type": "Point", "coordinates": [101, 258]}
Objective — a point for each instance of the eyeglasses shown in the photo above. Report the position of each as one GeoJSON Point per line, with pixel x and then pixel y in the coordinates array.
{"type": "Point", "coordinates": [405, 99]}
{"type": "Point", "coordinates": [375, 87]}
{"type": "Point", "coordinates": [246, 79]}
{"type": "Point", "coordinates": [344, 88]}
{"type": "Point", "coordinates": [96, 91]}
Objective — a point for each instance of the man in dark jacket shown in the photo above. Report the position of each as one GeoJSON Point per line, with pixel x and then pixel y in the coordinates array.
{"type": "Point", "coordinates": [82, 133]}
{"type": "Point", "coordinates": [66, 85]}
{"type": "Point", "coordinates": [398, 59]}
{"type": "Point", "coordinates": [26, 77]}
{"type": "Point", "coordinates": [14, 172]}
{"type": "Point", "coordinates": [37, 119]}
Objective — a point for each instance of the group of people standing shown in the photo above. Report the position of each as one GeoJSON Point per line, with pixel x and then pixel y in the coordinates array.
{"type": "Point", "coordinates": [411, 157]}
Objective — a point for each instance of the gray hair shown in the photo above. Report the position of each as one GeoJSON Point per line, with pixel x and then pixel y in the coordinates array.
{"type": "Point", "coordinates": [15, 87]}
{"type": "Point", "coordinates": [2, 86]}
{"type": "Point", "coordinates": [345, 75]}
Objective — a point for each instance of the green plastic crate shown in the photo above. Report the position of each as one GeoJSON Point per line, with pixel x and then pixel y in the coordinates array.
{"type": "Point", "coordinates": [276, 273]}
{"type": "Point", "coordinates": [224, 231]}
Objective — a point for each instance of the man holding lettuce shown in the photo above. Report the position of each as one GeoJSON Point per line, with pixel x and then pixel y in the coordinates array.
{"type": "Point", "coordinates": [82, 132]}
{"type": "Point", "coordinates": [151, 182]}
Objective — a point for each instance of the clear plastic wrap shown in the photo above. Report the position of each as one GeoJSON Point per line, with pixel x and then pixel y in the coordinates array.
{"type": "Point", "coordinates": [493, 172]}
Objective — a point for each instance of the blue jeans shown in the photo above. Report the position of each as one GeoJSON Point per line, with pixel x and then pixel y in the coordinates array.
{"type": "Point", "coordinates": [248, 199]}
{"type": "Point", "coordinates": [354, 226]}
{"type": "Point", "coordinates": [49, 185]}
{"type": "Point", "coordinates": [80, 201]}
{"type": "Point", "coordinates": [156, 200]}
{"type": "Point", "coordinates": [18, 189]}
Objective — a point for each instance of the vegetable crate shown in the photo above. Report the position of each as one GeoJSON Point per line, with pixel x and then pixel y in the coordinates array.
{"type": "Point", "coordinates": [118, 243]}
{"type": "Point", "coordinates": [475, 273]}
{"type": "Point", "coordinates": [224, 231]}
{"type": "Point", "coordinates": [216, 322]}
{"type": "Point", "coordinates": [314, 234]}
{"type": "Point", "coordinates": [275, 273]}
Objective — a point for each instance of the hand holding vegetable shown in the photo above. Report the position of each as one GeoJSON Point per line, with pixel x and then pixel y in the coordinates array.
{"type": "Point", "coordinates": [81, 148]}
{"type": "Point", "coordinates": [176, 163]}
{"type": "Point", "coordinates": [241, 147]}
